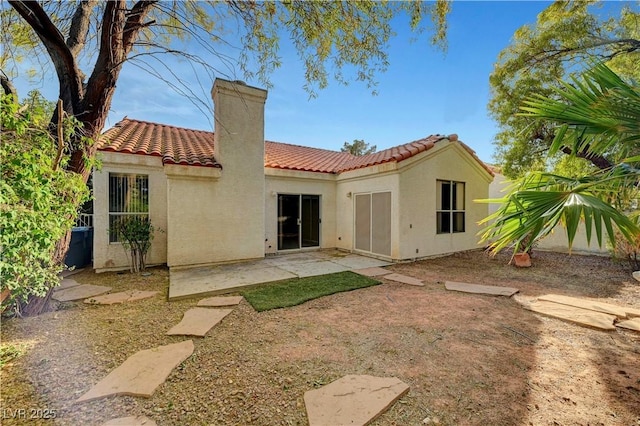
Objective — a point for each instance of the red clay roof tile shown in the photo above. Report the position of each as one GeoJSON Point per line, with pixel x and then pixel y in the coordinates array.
{"type": "Point", "coordinates": [178, 145]}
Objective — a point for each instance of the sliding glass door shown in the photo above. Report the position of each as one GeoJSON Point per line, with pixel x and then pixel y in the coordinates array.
{"type": "Point", "coordinates": [298, 221]}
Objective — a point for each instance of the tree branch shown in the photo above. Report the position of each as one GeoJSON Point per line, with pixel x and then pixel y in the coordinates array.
{"type": "Point", "coordinates": [597, 160]}
{"type": "Point", "coordinates": [8, 87]}
{"type": "Point", "coordinates": [62, 58]}
{"type": "Point", "coordinates": [80, 26]}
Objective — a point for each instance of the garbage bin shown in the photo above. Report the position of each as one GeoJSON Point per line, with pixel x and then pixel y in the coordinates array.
{"type": "Point", "coordinates": [80, 252]}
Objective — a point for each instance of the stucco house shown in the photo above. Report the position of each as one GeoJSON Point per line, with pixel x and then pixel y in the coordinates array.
{"type": "Point", "coordinates": [229, 195]}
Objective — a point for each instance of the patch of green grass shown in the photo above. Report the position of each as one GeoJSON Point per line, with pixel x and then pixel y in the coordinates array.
{"type": "Point", "coordinates": [294, 291]}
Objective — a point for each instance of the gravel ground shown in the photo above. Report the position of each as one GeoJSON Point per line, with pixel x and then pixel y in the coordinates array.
{"type": "Point", "coordinates": [469, 359]}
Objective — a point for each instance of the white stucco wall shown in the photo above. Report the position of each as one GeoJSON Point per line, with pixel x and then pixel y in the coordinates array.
{"type": "Point", "coordinates": [298, 182]}
{"type": "Point", "coordinates": [381, 178]}
{"type": "Point", "coordinates": [417, 225]}
{"type": "Point", "coordinates": [112, 256]}
{"type": "Point", "coordinates": [219, 217]}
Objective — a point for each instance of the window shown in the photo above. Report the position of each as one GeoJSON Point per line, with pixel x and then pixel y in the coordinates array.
{"type": "Point", "coordinates": [128, 196]}
{"type": "Point", "coordinates": [450, 207]}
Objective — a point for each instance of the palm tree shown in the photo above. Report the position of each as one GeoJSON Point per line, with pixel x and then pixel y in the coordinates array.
{"type": "Point", "coordinates": [597, 115]}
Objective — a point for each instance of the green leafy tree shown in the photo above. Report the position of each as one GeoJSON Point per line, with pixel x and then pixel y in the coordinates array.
{"type": "Point", "coordinates": [358, 147]}
{"type": "Point", "coordinates": [597, 114]}
{"type": "Point", "coordinates": [88, 42]}
{"type": "Point", "coordinates": [38, 198]}
{"type": "Point", "coordinates": [565, 38]}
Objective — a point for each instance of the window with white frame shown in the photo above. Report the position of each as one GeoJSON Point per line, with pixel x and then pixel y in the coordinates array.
{"type": "Point", "coordinates": [450, 213]}
{"type": "Point", "coordinates": [128, 197]}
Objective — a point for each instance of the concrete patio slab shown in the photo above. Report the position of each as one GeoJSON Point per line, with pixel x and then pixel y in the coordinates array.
{"type": "Point", "coordinates": [67, 283]}
{"type": "Point", "coordinates": [578, 316]}
{"type": "Point", "coordinates": [120, 297]}
{"type": "Point", "coordinates": [79, 292]}
{"type": "Point", "coordinates": [187, 282]}
{"type": "Point", "coordinates": [593, 305]}
{"type": "Point", "coordinates": [352, 400]}
{"type": "Point", "coordinates": [480, 289]}
{"type": "Point", "coordinates": [354, 261]}
{"type": "Point", "coordinates": [220, 279]}
{"type": "Point", "coordinates": [631, 324]}
{"type": "Point", "coordinates": [198, 321]}
{"type": "Point", "coordinates": [294, 258]}
{"type": "Point", "coordinates": [219, 301]}
{"type": "Point", "coordinates": [403, 279]}
{"type": "Point", "coordinates": [372, 272]}
{"type": "Point", "coordinates": [312, 269]}
{"type": "Point", "coordinates": [131, 421]}
{"type": "Point", "coordinates": [142, 372]}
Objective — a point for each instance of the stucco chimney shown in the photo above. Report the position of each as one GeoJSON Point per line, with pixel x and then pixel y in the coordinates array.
{"type": "Point", "coordinates": [239, 124]}
{"type": "Point", "coordinates": [239, 148]}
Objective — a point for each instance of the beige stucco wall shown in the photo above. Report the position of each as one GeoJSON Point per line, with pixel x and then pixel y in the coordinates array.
{"type": "Point", "coordinates": [112, 256]}
{"type": "Point", "coordinates": [381, 178]}
{"type": "Point", "coordinates": [417, 224]}
{"type": "Point", "coordinates": [220, 217]}
{"type": "Point", "coordinates": [297, 182]}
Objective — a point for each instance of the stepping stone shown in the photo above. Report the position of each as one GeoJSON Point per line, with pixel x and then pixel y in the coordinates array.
{"type": "Point", "coordinates": [480, 289]}
{"type": "Point", "coordinates": [67, 283]}
{"type": "Point", "coordinates": [403, 279]}
{"type": "Point", "coordinates": [220, 301]}
{"type": "Point", "coordinates": [197, 321]}
{"type": "Point", "coordinates": [352, 400]}
{"type": "Point", "coordinates": [121, 297]}
{"type": "Point", "coordinates": [632, 324]}
{"type": "Point", "coordinates": [578, 316]}
{"type": "Point", "coordinates": [79, 292]}
{"type": "Point", "coordinates": [131, 421]}
{"type": "Point", "coordinates": [372, 272]}
{"type": "Point", "coordinates": [593, 305]}
{"type": "Point", "coordinates": [636, 275]}
{"type": "Point", "coordinates": [142, 372]}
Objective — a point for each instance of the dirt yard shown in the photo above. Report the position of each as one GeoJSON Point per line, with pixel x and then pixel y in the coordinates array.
{"type": "Point", "coordinates": [469, 359]}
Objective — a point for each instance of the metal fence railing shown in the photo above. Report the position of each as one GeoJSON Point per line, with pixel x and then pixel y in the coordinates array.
{"type": "Point", "coordinates": [84, 220]}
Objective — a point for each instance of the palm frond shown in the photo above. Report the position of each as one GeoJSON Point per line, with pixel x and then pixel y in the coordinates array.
{"type": "Point", "coordinates": [539, 202]}
{"type": "Point", "coordinates": [594, 115]}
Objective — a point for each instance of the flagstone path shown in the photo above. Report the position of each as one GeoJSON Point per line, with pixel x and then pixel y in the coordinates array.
{"type": "Point", "coordinates": [632, 324]}
{"type": "Point", "coordinates": [220, 301]}
{"type": "Point", "coordinates": [579, 316]}
{"type": "Point", "coordinates": [142, 372]}
{"type": "Point", "coordinates": [131, 421]}
{"type": "Point", "coordinates": [621, 312]}
{"type": "Point", "coordinates": [480, 289]}
{"type": "Point", "coordinates": [352, 400]}
{"type": "Point", "coordinates": [120, 297]}
{"type": "Point", "coordinates": [198, 321]}
{"type": "Point", "coordinates": [403, 279]}
{"type": "Point", "coordinates": [372, 272]}
{"type": "Point", "coordinates": [78, 292]}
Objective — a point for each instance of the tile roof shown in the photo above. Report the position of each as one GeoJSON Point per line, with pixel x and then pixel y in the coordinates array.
{"type": "Point", "coordinates": [178, 145]}
{"type": "Point", "coordinates": [175, 145]}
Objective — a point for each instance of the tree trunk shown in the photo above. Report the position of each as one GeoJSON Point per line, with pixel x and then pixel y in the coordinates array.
{"type": "Point", "coordinates": [37, 305]}
{"type": "Point", "coordinates": [89, 102]}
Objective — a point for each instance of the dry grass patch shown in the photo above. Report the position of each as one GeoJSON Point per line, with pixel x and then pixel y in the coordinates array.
{"type": "Point", "coordinates": [458, 352]}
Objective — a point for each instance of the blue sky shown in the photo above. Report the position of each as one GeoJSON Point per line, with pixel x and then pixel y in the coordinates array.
{"type": "Point", "coordinates": [423, 92]}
